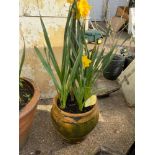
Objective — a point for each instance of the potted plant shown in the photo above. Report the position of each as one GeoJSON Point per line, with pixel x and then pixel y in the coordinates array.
{"type": "Point", "coordinates": [28, 97]}
{"type": "Point", "coordinates": [74, 110]}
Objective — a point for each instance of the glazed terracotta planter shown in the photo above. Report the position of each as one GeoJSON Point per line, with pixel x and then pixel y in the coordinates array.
{"type": "Point", "coordinates": [74, 127]}
{"type": "Point", "coordinates": [26, 114]}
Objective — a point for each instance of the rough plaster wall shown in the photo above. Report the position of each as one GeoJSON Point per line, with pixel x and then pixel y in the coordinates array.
{"type": "Point", "coordinates": [128, 85]}
{"type": "Point", "coordinates": [54, 14]}
{"type": "Point", "coordinates": [54, 8]}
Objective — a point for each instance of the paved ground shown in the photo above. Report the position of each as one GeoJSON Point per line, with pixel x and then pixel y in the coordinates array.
{"type": "Point", "coordinates": [118, 37]}
{"type": "Point", "coordinates": [114, 130]}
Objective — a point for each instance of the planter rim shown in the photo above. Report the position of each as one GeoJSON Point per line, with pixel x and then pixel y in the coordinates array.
{"type": "Point", "coordinates": [72, 114]}
{"type": "Point", "coordinates": [33, 102]}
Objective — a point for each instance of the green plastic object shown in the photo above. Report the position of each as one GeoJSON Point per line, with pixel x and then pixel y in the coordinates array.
{"type": "Point", "coordinates": [93, 36]}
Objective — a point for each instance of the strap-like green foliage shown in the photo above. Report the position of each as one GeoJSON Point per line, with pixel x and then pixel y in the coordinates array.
{"type": "Point", "coordinates": [48, 68]}
{"type": "Point", "coordinates": [50, 50]}
{"type": "Point", "coordinates": [64, 77]}
{"type": "Point", "coordinates": [72, 78]}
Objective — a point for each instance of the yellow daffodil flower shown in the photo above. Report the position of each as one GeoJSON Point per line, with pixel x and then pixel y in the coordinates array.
{"type": "Point", "coordinates": [83, 8]}
{"type": "Point", "coordinates": [85, 61]}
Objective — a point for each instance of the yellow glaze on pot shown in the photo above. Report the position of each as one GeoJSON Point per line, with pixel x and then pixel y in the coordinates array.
{"type": "Point", "coordinates": [74, 127]}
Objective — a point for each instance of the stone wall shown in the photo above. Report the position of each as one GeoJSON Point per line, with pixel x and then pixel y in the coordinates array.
{"type": "Point", "coordinates": [54, 13]}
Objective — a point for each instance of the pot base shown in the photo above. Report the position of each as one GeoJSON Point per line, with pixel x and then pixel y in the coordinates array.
{"type": "Point", "coordinates": [23, 140]}
{"type": "Point", "coordinates": [74, 141]}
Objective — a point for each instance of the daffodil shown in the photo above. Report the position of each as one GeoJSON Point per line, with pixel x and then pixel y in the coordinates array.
{"type": "Point", "coordinates": [83, 8]}
{"type": "Point", "coordinates": [85, 61]}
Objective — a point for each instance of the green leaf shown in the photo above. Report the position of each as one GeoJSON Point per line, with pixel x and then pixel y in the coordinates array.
{"type": "Point", "coordinates": [51, 54]}
{"type": "Point", "coordinates": [68, 28]}
{"type": "Point", "coordinates": [48, 68]}
{"type": "Point", "coordinates": [79, 95]}
{"type": "Point", "coordinates": [46, 55]}
{"type": "Point", "coordinates": [75, 67]}
{"type": "Point", "coordinates": [108, 57]}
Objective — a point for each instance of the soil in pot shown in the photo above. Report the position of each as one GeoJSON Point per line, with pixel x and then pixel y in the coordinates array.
{"type": "Point", "coordinates": [26, 92]}
{"type": "Point", "coordinates": [72, 106]}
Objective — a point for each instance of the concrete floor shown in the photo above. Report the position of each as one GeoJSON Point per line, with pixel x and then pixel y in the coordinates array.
{"type": "Point", "coordinates": [115, 129]}
{"type": "Point", "coordinates": [129, 44]}
{"type": "Point", "coordinates": [118, 37]}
